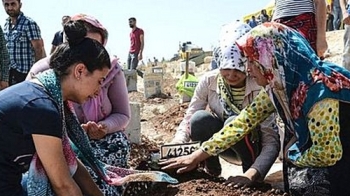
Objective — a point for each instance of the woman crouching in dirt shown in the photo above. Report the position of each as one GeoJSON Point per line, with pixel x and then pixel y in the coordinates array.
{"type": "Point", "coordinates": [105, 116]}
{"type": "Point", "coordinates": [312, 97]}
{"type": "Point", "coordinates": [226, 92]}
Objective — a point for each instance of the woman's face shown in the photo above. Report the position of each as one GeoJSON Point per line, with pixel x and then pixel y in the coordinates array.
{"type": "Point", "coordinates": [87, 85]}
{"type": "Point", "coordinates": [254, 71]}
{"type": "Point", "coordinates": [234, 78]}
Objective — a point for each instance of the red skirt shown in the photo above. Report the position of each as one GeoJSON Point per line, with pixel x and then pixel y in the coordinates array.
{"type": "Point", "coordinates": [305, 24]}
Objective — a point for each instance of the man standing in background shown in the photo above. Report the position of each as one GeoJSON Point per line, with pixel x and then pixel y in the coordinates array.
{"type": "Point", "coordinates": [58, 39]}
{"type": "Point", "coordinates": [4, 62]}
{"type": "Point", "coordinates": [253, 23]}
{"type": "Point", "coordinates": [24, 42]}
{"type": "Point", "coordinates": [136, 45]}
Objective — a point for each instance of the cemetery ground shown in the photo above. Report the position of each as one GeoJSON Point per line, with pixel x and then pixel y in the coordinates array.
{"type": "Point", "coordinates": [160, 116]}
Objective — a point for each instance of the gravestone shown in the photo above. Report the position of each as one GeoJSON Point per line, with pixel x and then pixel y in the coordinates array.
{"type": "Point", "coordinates": [131, 80]}
{"type": "Point", "coordinates": [133, 130]}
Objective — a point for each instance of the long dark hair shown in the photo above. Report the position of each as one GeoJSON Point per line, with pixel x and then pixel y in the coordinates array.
{"type": "Point", "coordinates": [78, 49]}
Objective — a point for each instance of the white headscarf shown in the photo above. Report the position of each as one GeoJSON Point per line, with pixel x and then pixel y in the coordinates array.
{"type": "Point", "coordinates": [230, 56]}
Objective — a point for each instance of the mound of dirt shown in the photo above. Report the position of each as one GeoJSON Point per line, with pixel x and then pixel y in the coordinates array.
{"type": "Point", "coordinates": [140, 153]}
{"type": "Point", "coordinates": [169, 83]}
{"type": "Point", "coordinates": [199, 183]}
{"type": "Point", "coordinates": [170, 120]}
{"type": "Point", "coordinates": [195, 182]}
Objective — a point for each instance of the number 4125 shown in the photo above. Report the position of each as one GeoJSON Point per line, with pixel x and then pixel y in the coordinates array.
{"type": "Point", "coordinates": [176, 152]}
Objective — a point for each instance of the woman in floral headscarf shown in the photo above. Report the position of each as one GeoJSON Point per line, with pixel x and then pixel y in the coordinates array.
{"type": "Point", "coordinates": [312, 97]}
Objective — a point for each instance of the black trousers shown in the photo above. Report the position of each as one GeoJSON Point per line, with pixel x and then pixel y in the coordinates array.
{"type": "Point", "coordinates": [204, 125]}
{"type": "Point", "coordinates": [333, 180]}
{"type": "Point", "coordinates": [16, 77]}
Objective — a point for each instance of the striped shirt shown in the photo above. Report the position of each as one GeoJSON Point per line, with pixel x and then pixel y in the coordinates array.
{"type": "Point", "coordinates": [288, 8]}
{"type": "Point", "coordinates": [238, 96]}
{"type": "Point", "coordinates": [18, 38]}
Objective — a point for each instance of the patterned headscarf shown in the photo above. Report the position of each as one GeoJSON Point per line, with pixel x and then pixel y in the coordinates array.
{"type": "Point", "coordinates": [230, 57]}
{"type": "Point", "coordinates": [94, 22]}
{"type": "Point", "coordinates": [296, 75]}
{"type": "Point", "coordinates": [232, 32]}
{"type": "Point", "coordinates": [287, 60]}
{"type": "Point", "coordinates": [228, 53]}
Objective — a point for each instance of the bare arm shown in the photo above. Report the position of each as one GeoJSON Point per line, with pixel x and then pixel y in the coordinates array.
{"type": "Point", "coordinates": [331, 6]}
{"type": "Point", "coordinates": [321, 17]}
{"type": "Point", "coordinates": [346, 18]}
{"type": "Point", "coordinates": [142, 40]}
{"type": "Point", "coordinates": [50, 152]}
{"type": "Point", "coordinates": [38, 48]}
{"type": "Point", "coordinates": [343, 5]}
{"type": "Point", "coordinates": [84, 181]}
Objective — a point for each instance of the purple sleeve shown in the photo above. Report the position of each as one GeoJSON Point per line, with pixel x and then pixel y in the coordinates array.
{"type": "Point", "coordinates": [118, 95]}
{"type": "Point", "coordinates": [38, 67]}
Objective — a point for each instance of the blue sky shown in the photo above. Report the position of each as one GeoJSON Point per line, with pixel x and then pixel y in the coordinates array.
{"type": "Point", "coordinates": [165, 22]}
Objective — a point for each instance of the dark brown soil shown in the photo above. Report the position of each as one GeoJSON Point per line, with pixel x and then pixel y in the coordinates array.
{"type": "Point", "coordinates": [195, 182]}
{"type": "Point", "coordinates": [170, 120]}
{"type": "Point", "coordinates": [199, 183]}
{"type": "Point", "coordinates": [141, 153]}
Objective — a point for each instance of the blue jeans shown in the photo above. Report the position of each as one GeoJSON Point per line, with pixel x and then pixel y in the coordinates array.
{"type": "Point", "coordinates": [24, 183]}
{"type": "Point", "coordinates": [337, 17]}
{"type": "Point", "coordinates": [133, 60]}
{"type": "Point", "coordinates": [346, 51]}
{"type": "Point", "coordinates": [204, 125]}
{"type": "Point", "coordinates": [132, 63]}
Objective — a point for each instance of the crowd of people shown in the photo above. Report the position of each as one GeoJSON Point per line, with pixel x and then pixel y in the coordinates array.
{"type": "Point", "coordinates": [262, 18]}
{"type": "Point", "coordinates": [63, 116]}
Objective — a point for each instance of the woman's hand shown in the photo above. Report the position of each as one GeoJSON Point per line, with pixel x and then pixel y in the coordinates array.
{"type": "Point", "coordinates": [238, 181]}
{"type": "Point", "coordinates": [185, 163]}
{"type": "Point", "coordinates": [245, 180]}
{"type": "Point", "coordinates": [95, 131]}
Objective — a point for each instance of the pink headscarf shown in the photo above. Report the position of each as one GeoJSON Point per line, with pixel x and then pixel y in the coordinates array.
{"type": "Point", "coordinates": [94, 22]}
